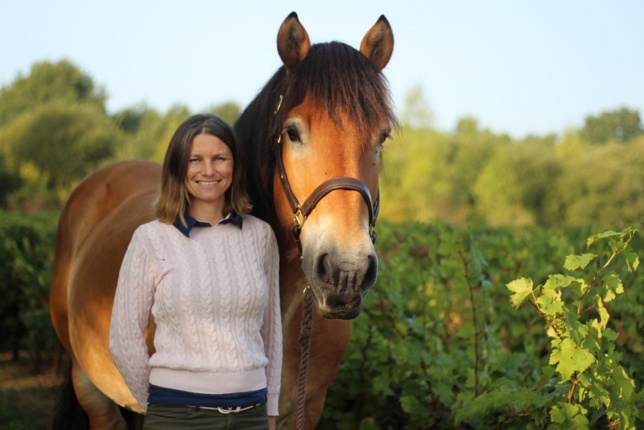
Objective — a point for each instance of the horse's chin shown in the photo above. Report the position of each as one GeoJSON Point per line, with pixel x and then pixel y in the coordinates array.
{"type": "Point", "coordinates": [337, 306]}
{"type": "Point", "coordinates": [340, 315]}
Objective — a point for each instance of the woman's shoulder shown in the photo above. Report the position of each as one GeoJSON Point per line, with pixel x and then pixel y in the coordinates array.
{"type": "Point", "coordinates": [153, 230]}
{"type": "Point", "coordinates": [255, 222]}
{"type": "Point", "coordinates": [152, 226]}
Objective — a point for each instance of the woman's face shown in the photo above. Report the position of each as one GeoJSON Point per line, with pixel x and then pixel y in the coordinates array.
{"type": "Point", "coordinates": [210, 171]}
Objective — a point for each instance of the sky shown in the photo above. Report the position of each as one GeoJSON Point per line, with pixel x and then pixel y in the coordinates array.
{"type": "Point", "coordinates": [518, 67]}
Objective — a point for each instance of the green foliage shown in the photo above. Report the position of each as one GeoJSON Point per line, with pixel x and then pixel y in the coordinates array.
{"type": "Point", "coordinates": [148, 133]}
{"type": "Point", "coordinates": [26, 262]}
{"type": "Point", "coordinates": [52, 147]}
{"type": "Point", "coordinates": [619, 125]}
{"type": "Point", "coordinates": [228, 111]}
{"type": "Point", "coordinates": [416, 112]}
{"type": "Point", "coordinates": [582, 345]}
{"type": "Point", "coordinates": [8, 182]}
{"type": "Point", "coordinates": [601, 187]}
{"type": "Point", "coordinates": [438, 345]}
{"type": "Point", "coordinates": [61, 83]}
{"type": "Point", "coordinates": [514, 185]}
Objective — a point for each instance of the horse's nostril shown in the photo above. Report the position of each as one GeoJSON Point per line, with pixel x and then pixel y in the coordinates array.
{"type": "Point", "coordinates": [371, 273]}
{"type": "Point", "coordinates": [322, 269]}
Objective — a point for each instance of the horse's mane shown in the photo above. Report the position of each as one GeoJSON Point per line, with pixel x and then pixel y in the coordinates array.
{"type": "Point", "coordinates": [334, 76]}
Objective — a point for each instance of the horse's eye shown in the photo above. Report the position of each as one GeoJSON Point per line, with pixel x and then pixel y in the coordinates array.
{"type": "Point", "coordinates": [383, 137]}
{"type": "Point", "coordinates": [293, 135]}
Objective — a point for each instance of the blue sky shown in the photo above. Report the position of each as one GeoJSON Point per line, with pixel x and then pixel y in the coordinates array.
{"type": "Point", "coordinates": [521, 67]}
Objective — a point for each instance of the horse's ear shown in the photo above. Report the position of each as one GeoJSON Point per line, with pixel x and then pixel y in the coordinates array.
{"type": "Point", "coordinates": [378, 44]}
{"type": "Point", "coordinates": [292, 41]}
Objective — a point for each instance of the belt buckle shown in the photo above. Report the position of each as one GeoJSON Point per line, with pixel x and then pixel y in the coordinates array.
{"type": "Point", "coordinates": [229, 410]}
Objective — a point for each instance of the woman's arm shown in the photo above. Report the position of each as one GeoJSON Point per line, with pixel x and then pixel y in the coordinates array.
{"type": "Point", "coordinates": [130, 316]}
{"type": "Point", "coordinates": [272, 326]}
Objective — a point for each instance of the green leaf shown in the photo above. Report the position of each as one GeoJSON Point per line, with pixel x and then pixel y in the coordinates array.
{"type": "Point", "coordinates": [569, 416]}
{"type": "Point", "coordinates": [613, 286]}
{"type": "Point", "coordinates": [549, 305]}
{"type": "Point", "coordinates": [558, 281]}
{"type": "Point", "coordinates": [574, 262]}
{"type": "Point", "coordinates": [571, 358]}
{"type": "Point", "coordinates": [521, 288]}
{"type": "Point", "coordinates": [603, 315]}
{"type": "Point", "coordinates": [632, 259]}
{"type": "Point", "coordinates": [594, 238]}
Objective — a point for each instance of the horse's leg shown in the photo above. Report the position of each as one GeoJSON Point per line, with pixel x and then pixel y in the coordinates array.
{"type": "Point", "coordinates": [103, 413]}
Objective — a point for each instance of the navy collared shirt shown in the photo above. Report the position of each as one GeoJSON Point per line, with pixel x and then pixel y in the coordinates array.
{"type": "Point", "coordinates": [233, 217]}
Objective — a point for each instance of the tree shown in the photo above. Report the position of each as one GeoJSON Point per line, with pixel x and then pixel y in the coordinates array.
{"type": "Point", "coordinates": [604, 187]}
{"type": "Point", "coordinates": [416, 112]}
{"type": "Point", "coordinates": [54, 146]}
{"type": "Point", "coordinates": [147, 132]}
{"type": "Point", "coordinates": [8, 182]}
{"type": "Point", "coordinates": [618, 125]}
{"type": "Point", "coordinates": [61, 82]}
{"type": "Point", "coordinates": [228, 111]}
{"type": "Point", "coordinates": [514, 186]}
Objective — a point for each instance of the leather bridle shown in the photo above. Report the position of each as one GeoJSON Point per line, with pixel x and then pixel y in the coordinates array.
{"type": "Point", "coordinates": [302, 211]}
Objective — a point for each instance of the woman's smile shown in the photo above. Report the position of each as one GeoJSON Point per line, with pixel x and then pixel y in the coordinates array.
{"type": "Point", "coordinates": [209, 175]}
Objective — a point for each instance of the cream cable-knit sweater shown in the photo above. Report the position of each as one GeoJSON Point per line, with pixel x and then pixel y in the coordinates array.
{"type": "Point", "coordinates": [215, 300]}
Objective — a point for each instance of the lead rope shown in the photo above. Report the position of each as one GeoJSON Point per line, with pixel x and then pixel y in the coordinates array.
{"type": "Point", "coordinates": [305, 344]}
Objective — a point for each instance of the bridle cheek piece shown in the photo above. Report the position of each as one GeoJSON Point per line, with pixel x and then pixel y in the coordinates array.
{"type": "Point", "coordinates": [301, 212]}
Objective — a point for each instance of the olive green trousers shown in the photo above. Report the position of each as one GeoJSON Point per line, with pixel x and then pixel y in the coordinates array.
{"type": "Point", "coordinates": [170, 417]}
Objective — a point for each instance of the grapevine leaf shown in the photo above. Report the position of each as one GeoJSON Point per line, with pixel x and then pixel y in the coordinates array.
{"type": "Point", "coordinates": [521, 288]}
{"type": "Point", "coordinates": [603, 314]}
{"type": "Point", "coordinates": [574, 262]}
{"type": "Point", "coordinates": [569, 416]}
{"type": "Point", "coordinates": [632, 259]}
{"type": "Point", "coordinates": [594, 238]}
{"type": "Point", "coordinates": [624, 385]}
{"type": "Point", "coordinates": [613, 286]}
{"type": "Point", "coordinates": [571, 358]}
{"type": "Point", "coordinates": [558, 281]}
{"type": "Point", "coordinates": [610, 335]}
{"type": "Point", "coordinates": [549, 306]}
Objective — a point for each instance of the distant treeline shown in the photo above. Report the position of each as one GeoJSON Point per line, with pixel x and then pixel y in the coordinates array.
{"type": "Point", "coordinates": [55, 129]}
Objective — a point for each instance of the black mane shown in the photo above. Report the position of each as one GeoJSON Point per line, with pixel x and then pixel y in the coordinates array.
{"type": "Point", "coordinates": [333, 75]}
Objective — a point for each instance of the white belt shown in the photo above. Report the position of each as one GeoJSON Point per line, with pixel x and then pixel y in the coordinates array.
{"type": "Point", "coordinates": [229, 410]}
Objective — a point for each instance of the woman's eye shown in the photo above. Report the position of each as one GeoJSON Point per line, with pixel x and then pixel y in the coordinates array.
{"type": "Point", "coordinates": [293, 135]}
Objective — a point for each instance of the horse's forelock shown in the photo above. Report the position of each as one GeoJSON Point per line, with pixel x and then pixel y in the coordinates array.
{"type": "Point", "coordinates": [344, 82]}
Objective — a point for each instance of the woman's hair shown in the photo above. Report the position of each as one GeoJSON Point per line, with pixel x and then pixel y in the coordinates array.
{"type": "Point", "coordinates": [173, 200]}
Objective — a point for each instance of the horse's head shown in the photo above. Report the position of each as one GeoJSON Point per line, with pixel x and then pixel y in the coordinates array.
{"type": "Point", "coordinates": [333, 118]}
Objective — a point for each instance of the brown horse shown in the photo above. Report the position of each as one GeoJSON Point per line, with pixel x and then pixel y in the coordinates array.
{"type": "Point", "coordinates": [321, 119]}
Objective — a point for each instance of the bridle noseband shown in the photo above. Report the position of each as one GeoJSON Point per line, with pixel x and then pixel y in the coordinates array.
{"type": "Point", "coordinates": [301, 212]}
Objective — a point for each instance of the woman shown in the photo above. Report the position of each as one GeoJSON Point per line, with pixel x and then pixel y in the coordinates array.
{"type": "Point", "coordinates": [207, 271]}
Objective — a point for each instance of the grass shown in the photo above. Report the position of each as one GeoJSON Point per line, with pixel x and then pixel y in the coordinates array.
{"type": "Point", "coordinates": [27, 396]}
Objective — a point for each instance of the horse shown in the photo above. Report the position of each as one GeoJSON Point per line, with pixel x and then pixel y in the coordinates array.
{"type": "Point", "coordinates": [316, 129]}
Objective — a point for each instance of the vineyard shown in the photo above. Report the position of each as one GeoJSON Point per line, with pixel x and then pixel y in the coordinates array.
{"type": "Point", "coordinates": [475, 327]}
{"type": "Point", "coordinates": [440, 344]}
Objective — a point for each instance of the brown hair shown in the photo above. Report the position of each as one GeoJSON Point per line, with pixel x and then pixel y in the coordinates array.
{"type": "Point", "coordinates": [173, 200]}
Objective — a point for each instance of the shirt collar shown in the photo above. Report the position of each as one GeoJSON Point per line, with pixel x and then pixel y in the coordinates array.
{"type": "Point", "coordinates": [191, 222]}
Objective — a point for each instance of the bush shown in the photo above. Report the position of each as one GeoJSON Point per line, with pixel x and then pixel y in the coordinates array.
{"type": "Point", "coordinates": [26, 262]}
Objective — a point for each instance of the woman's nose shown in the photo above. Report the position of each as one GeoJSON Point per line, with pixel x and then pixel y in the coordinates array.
{"type": "Point", "coordinates": [208, 168]}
